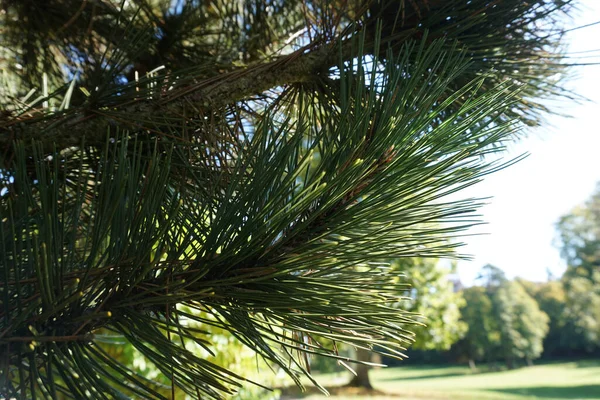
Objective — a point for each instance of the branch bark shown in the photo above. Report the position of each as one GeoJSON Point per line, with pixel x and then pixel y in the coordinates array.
{"type": "Point", "coordinates": [398, 23]}
{"type": "Point", "coordinates": [67, 130]}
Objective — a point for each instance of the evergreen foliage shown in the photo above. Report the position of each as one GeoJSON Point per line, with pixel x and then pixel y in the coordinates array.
{"type": "Point", "coordinates": [170, 167]}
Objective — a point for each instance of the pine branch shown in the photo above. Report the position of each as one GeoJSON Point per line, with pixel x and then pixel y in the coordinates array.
{"type": "Point", "coordinates": [308, 64]}
{"type": "Point", "coordinates": [148, 111]}
{"type": "Point", "coordinates": [206, 209]}
{"type": "Point", "coordinates": [286, 250]}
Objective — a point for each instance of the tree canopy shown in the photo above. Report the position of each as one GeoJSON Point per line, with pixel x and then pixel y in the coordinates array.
{"type": "Point", "coordinates": [433, 297]}
{"type": "Point", "coordinates": [522, 325]}
{"type": "Point", "coordinates": [482, 337]}
{"type": "Point", "coordinates": [579, 241]}
{"type": "Point", "coordinates": [579, 237]}
{"type": "Point", "coordinates": [172, 167]}
{"type": "Point", "coordinates": [504, 320]}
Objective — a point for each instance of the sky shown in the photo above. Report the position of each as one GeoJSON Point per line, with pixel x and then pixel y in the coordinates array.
{"type": "Point", "coordinates": [560, 173]}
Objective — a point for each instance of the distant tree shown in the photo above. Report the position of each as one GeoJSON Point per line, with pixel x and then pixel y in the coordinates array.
{"type": "Point", "coordinates": [429, 295]}
{"type": "Point", "coordinates": [566, 337]}
{"type": "Point", "coordinates": [491, 277]}
{"type": "Point", "coordinates": [432, 296]}
{"type": "Point", "coordinates": [521, 323]}
{"type": "Point", "coordinates": [579, 238]}
{"type": "Point", "coordinates": [504, 320]}
{"type": "Point", "coordinates": [579, 241]}
{"type": "Point", "coordinates": [482, 338]}
{"type": "Point", "coordinates": [582, 305]}
{"type": "Point", "coordinates": [551, 299]}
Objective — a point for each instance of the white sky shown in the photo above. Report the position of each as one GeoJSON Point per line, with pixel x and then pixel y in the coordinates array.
{"type": "Point", "coordinates": [560, 173]}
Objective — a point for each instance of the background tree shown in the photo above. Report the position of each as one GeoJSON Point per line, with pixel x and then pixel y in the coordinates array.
{"type": "Point", "coordinates": [565, 336]}
{"type": "Point", "coordinates": [433, 297]}
{"type": "Point", "coordinates": [491, 277]}
{"type": "Point", "coordinates": [579, 240]}
{"type": "Point", "coordinates": [582, 306]}
{"type": "Point", "coordinates": [482, 338]}
{"type": "Point", "coordinates": [522, 325]}
{"type": "Point", "coordinates": [162, 179]}
{"type": "Point", "coordinates": [504, 321]}
{"type": "Point", "coordinates": [430, 296]}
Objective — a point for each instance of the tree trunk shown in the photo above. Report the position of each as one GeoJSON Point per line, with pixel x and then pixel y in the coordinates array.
{"type": "Point", "coordinates": [529, 362]}
{"type": "Point", "coordinates": [510, 363]}
{"type": "Point", "coordinates": [472, 365]}
{"type": "Point", "coordinates": [362, 371]}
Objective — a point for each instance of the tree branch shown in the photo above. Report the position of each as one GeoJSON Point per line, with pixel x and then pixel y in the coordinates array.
{"type": "Point", "coordinates": [68, 129]}
{"type": "Point", "coordinates": [64, 130]}
{"type": "Point", "coordinates": [130, 112]}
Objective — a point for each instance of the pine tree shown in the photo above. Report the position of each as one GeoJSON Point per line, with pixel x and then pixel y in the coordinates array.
{"type": "Point", "coordinates": [172, 166]}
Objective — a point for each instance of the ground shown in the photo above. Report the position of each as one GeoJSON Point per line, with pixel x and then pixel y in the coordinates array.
{"type": "Point", "coordinates": [561, 380]}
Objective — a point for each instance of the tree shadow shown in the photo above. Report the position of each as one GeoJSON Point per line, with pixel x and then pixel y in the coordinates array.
{"type": "Point", "coordinates": [588, 363]}
{"type": "Point", "coordinates": [429, 376]}
{"type": "Point", "coordinates": [294, 392]}
{"type": "Point", "coordinates": [566, 392]}
{"type": "Point", "coordinates": [444, 372]}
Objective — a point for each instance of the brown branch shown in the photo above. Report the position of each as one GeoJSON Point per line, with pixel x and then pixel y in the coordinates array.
{"type": "Point", "coordinates": [307, 64]}
{"type": "Point", "coordinates": [68, 130]}
{"type": "Point", "coordinates": [400, 21]}
{"type": "Point", "coordinates": [71, 338]}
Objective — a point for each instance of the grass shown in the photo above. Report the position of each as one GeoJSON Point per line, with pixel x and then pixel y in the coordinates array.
{"type": "Point", "coordinates": [557, 381]}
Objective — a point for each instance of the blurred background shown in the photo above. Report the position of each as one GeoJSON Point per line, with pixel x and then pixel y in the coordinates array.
{"type": "Point", "coordinates": [527, 323]}
{"type": "Point", "coordinates": [560, 173]}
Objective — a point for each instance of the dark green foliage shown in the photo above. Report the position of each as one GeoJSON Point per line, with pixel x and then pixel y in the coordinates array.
{"type": "Point", "coordinates": [482, 337]}
{"type": "Point", "coordinates": [253, 179]}
{"type": "Point", "coordinates": [504, 321]}
{"type": "Point", "coordinates": [579, 238]}
{"type": "Point", "coordinates": [567, 336]}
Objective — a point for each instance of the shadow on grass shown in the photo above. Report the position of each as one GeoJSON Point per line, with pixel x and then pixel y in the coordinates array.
{"type": "Point", "coordinates": [570, 392]}
{"type": "Point", "coordinates": [294, 392]}
{"type": "Point", "coordinates": [588, 363]}
{"type": "Point", "coordinates": [445, 372]}
{"type": "Point", "coordinates": [429, 376]}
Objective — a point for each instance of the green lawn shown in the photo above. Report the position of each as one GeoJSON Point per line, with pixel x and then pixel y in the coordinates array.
{"type": "Point", "coordinates": [570, 380]}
